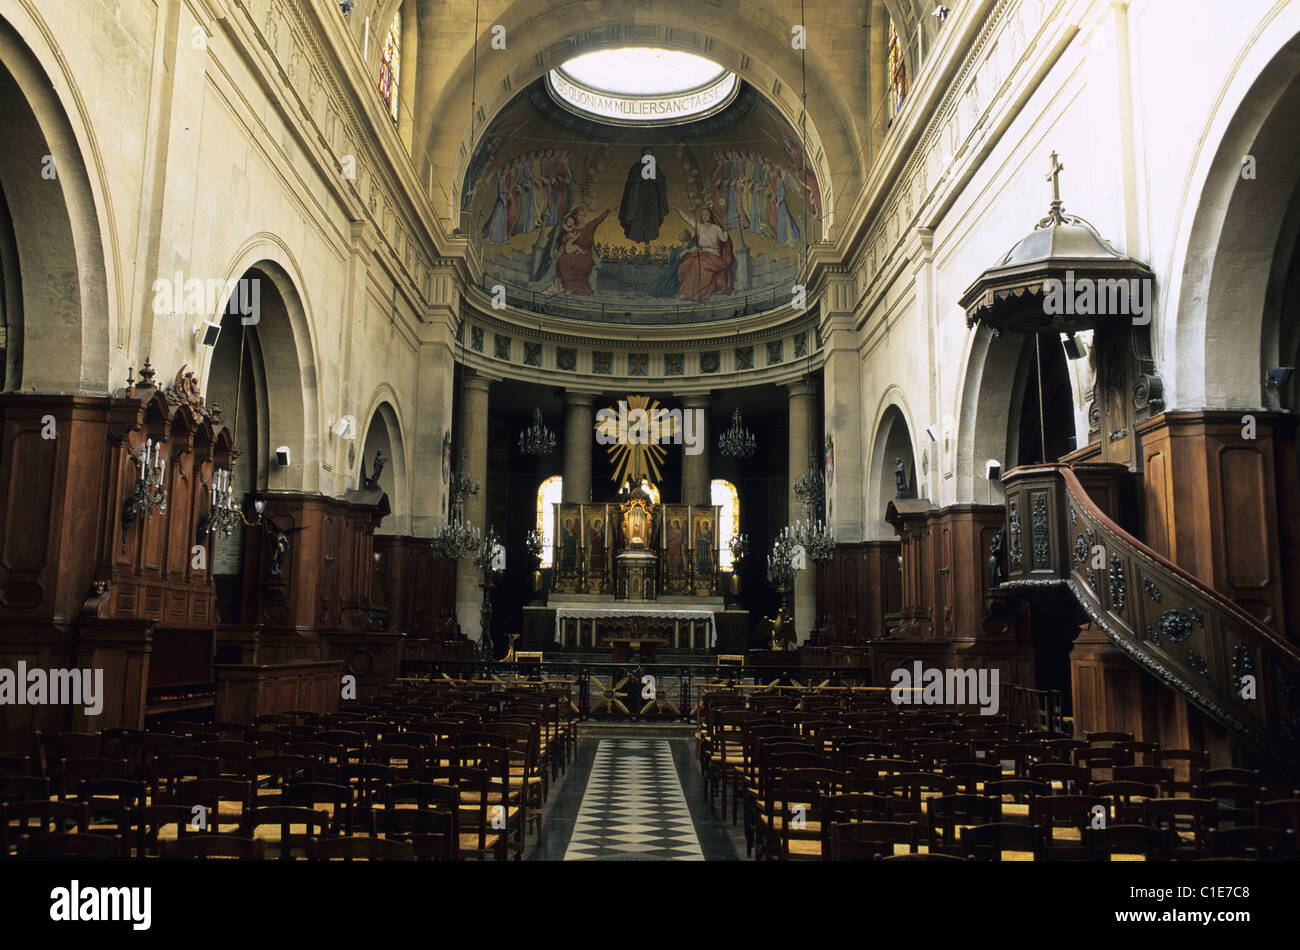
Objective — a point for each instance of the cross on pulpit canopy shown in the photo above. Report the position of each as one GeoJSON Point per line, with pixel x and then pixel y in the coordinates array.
{"type": "Point", "coordinates": [1054, 176]}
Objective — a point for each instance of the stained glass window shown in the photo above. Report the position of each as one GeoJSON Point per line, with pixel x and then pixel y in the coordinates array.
{"type": "Point", "coordinates": [548, 495]}
{"type": "Point", "coordinates": [390, 65]}
{"type": "Point", "coordinates": [724, 494]}
{"type": "Point", "coordinates": [897, 71]}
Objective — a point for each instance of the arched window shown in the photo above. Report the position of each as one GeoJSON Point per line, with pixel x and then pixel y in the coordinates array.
{"type": "Point", "coordinates": [390, 65]}
{"type": "Point", "coordinates": [723, 494]}
{"type": "Point", "coordinates": [897, 72]}
{"type": "Point", "coordinates": [548, 494]}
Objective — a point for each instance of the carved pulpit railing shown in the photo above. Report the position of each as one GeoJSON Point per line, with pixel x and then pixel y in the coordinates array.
{"type": "Point", "coordinates": [1225, 661]}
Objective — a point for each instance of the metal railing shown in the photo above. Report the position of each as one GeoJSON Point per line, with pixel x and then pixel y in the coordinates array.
{"type": "Point", "coordinates": [673, 692]}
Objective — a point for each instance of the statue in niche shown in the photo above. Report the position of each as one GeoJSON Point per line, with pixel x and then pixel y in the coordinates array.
{"type": "Point", "coordinates": [278, 538]}
{"type": "Point", "coordinates": [997, 572]}
{"type": "Point", "coordinates": [371, 482]}
{"type": "Point", "coordinates": [900, 479]}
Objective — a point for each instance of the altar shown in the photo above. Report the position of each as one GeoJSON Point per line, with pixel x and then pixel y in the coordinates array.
{"type": "Point", "coordinates": [690, 628]}
{"type": "Point", "coordinates": [636, 572]}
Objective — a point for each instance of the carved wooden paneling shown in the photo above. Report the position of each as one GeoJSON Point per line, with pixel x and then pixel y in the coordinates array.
{"type": "Point", "coordinates": [1211, 496]}
{"type": "Point", "coordinates": [415, 587]}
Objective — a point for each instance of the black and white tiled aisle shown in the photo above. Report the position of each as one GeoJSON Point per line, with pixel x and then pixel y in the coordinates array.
{"type": "Point", "coordinates": [626, 801]}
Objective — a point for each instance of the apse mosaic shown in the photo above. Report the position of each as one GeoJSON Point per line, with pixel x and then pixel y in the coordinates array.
{"type": "Point", "coordinates": [561, 206]}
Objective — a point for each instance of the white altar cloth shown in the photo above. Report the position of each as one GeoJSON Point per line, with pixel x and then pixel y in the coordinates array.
{"type": "Point", "coordinates": [606, 612]}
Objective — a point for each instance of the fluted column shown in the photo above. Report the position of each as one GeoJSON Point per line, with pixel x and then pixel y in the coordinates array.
{"type": "Point", "coordinates": [695, 467]}
{"type": "Point", "coordinates": [474, 439]}
{"type": "Point", "coordinates": [805, 581]}
{"type": "Point", "coordinates": [579, 436]}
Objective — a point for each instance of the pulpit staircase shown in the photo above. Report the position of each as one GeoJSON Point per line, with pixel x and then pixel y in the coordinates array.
{"type": "Point", "coordinates": [1064, 539]}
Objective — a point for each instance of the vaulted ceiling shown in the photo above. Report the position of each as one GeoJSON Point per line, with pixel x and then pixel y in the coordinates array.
{"type": "Point", "coordinates": [844, 69]}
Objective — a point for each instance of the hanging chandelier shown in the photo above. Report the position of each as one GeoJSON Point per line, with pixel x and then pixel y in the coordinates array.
{"type": "Point", "coordinates": [456, 539]}
{"type": "Point", "coordinates": [462, 485]}
{"type": "Point", "coordinates": [459, 537]}
{"type": "Point", "coordinates": [782, 561]}
{"type": "Point", "coordinates": [817, 540]}
{"type": "Point", "coordinates": [224, 513]}
{"type": "Point", "coordinates": [737, 442]}
{"type": "Point", "coordinates": [739, 545]}
{"type": "Point", "coordinates": [537, 439]}
{"type": "Point", "coordinates": [811, 487]}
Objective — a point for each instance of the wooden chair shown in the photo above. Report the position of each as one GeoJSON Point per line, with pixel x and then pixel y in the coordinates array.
{"type": "Point", "coordinates": [286, 818]}
{"type": "Point", "coordinates": [990, 842]}
{"type": "Point", "coordinates": [1127, 799]}
{"type": "Point", "coordinates": [799, 793]}
{"type": "Point", "coordinates": [971, 775]}
{"type": "Point", "coordinates": [1162, 776]}
{"type": "Point", "coordinates": [1021, 791]}
{"type": "Point", "coordinates": [1071, 812]}
{"type": "Point", "coordinates": [906, 791]}
{"type": "Point", "coordinates": [921, 856]}
{"type": "Point", "coordinates": [109, 801]}
{"type": "Point", "coordinates": [1192, 762]}
{"type": "Point", "coordinates": [367, 781]}
{"type": "Point", "coordinates": [949, 813]}
{"type": "Point", "coordinates": [145, 827]}
{"type": "Point", "coordinates": [209, 846]}
{"type": "Point", "coordinates": [337, 799]}
{"type": "Point", "coordinates": [212, 794]}
{"type": "Point", "coordinates": [432, 831]}
{"type": "Point", "coordinates": [166, 772]}
{"type": "Point", "coordinates": [362, 849]}
{"type": "Point", "coordinates": [270, 774]}
{"type": "Point", "coordinates": [1250, 841]}
{"type": "Point", "coordinates": [1104, 843]}
{"type": "Point", "coordinates": [40, 817]}
{"type": "Point", "coordinates": [72, 772]}
{"type": "Point", "coordinates": [866, 840]}
{"type": "Point", "coordinates": [64, 845]}
{"type": "Point", "coordinates": [1186, 824]}
{"type": "Point", "coordinates": [1237, 803]}
{"type": "Point", "coordinates": [1074, 779]}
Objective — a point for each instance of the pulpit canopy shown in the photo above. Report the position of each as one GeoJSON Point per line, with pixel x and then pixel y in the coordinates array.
{"type": "Point", "coordinates": [1062, 276]}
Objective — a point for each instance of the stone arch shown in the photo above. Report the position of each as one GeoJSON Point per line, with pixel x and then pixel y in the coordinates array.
{"type": "Point", "coordinates": [58, 273]}
{"type": "Point", "coordinates": [1236, 236]}
{"type": "Point", "coordinates": [990, 410]}
{"type": "Point", "coordinates": [383, 431]}
{"type": "Point", "coordinates": [892, 438]}
{"type": "Point", "coordinates": [285, 344]}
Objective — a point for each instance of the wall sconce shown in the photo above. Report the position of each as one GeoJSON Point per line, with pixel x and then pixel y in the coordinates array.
{"type": "Point", "coordinates": [148, 494]}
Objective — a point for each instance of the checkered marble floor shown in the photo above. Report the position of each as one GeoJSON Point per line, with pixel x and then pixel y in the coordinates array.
{"type": "Point", "coordinates": [634, 808]}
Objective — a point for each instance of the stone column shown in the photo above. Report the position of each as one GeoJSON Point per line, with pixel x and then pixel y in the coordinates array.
{"type": "Point", "coordinates": [579, 436]}
{"type": "Point", "coordinates": [805, 581]}
{"type": "Point", "coordinates": [474, 439]}
{"type": "Point", "coordinates": [842, 407]}
{"type": "Point", "coordinates": [695, 468]}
